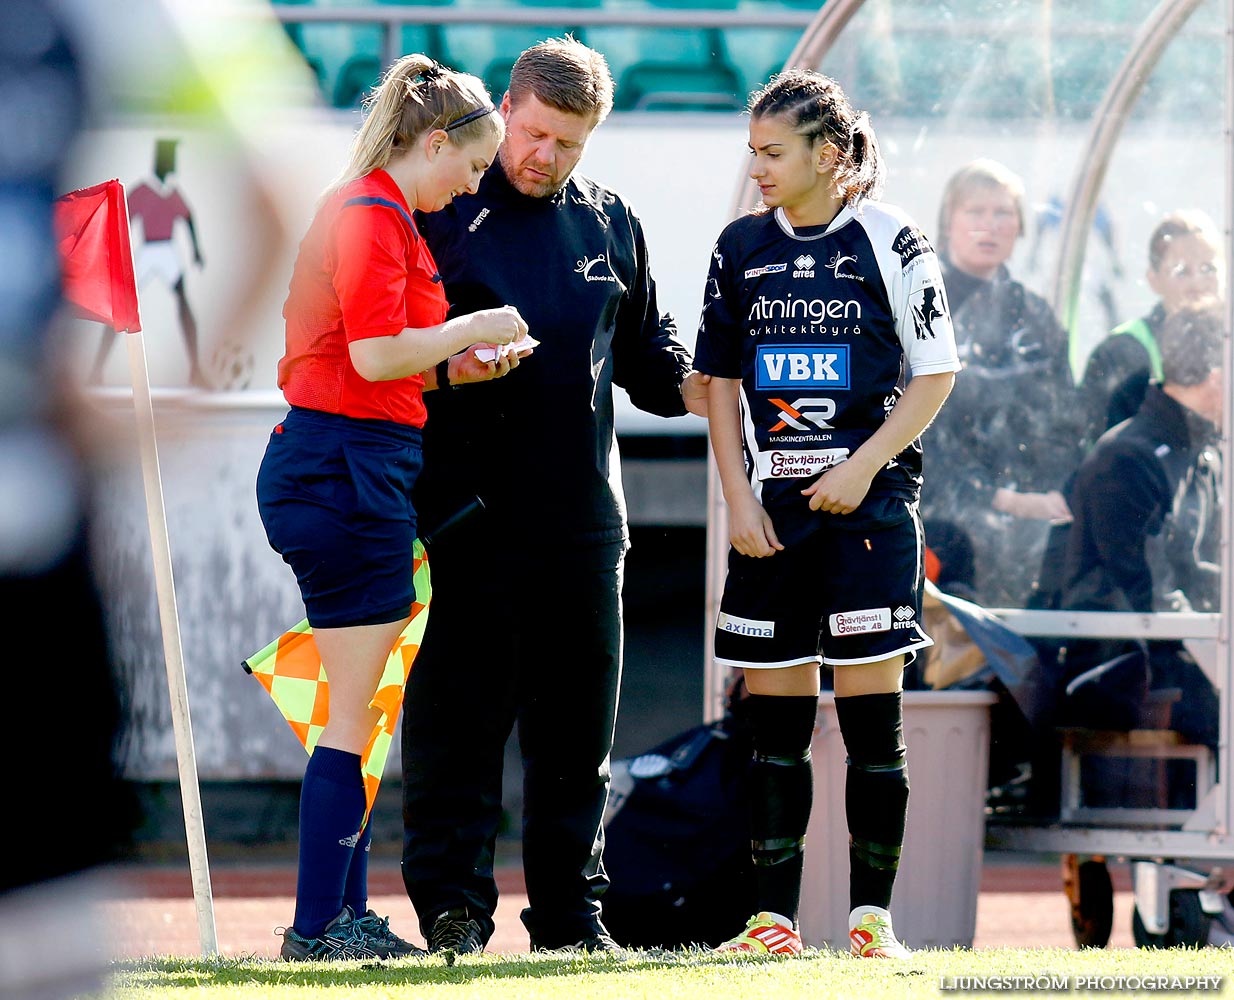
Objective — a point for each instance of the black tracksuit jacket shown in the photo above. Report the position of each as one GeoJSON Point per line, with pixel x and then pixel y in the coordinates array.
{"type": "Point", "coordinates": [538, 445]}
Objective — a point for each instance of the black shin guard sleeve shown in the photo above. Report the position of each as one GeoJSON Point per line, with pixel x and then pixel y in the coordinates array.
{"type": "Point", "coordinates": [876, 793]}
{"type": "Point", "coordinates": [781, 795]}
{"type": "Point", "coordinates": [783, 726]}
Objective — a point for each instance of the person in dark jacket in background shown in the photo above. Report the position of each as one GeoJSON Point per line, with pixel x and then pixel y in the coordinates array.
{"type": "Point", "coordinates": [997, 455]}
{"type": "Point", "coordinates": [526, 614]}
{"type": "Point", "coordinates": [1147, 517]}
{"type": "Point", "coordinates": [1184, 267]}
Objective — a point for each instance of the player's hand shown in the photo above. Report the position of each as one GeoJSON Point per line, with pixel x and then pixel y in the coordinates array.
{"type": "Point", "coordinates": [694, 393]}
{"type": "Point", "coordinates": [502, 325]}
{"type": "Point", "coordinates": [839, 490]}
{"type": "Point", "coordinates": [750, 529]}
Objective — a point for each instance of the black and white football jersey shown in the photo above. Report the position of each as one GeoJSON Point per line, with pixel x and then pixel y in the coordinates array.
{"type": "Point", "coordinates": [823, 327]}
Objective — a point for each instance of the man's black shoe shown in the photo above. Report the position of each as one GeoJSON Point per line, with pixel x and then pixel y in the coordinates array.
{"type": "Point", "coordinates": [597, 941]}
{"type": "Point", "coordinates": [389, 943]}
{"type": "Point", "coordinates": [456, 933]}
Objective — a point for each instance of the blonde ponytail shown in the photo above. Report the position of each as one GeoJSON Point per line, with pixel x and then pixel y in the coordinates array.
{"type": "Point", "coordinates": [416, 95]}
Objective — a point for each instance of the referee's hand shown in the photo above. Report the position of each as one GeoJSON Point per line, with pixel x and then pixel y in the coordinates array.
{"type": "Point", "coordinates": [466, 367]}
{"type": "Point", "coordinates": [503, 325]}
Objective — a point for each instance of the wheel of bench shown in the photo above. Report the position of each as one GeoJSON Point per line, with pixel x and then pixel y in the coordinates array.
{"type": "Point", "coordinates": [1189, 924]}
{"type": "Point", "coordinates": [1091, 894]}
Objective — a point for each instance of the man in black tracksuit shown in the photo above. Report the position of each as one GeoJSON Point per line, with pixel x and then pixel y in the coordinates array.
{"type": "Point", "coordinates": [525, 621]}
{"type": "Point", "coordinates": [1146, 502]}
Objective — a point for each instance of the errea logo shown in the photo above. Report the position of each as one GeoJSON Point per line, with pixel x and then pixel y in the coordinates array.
{"type": "Point", "coordinates": [804, 266]}
{"type": "Point", "coordinates": [904, 617]}
{"type": "Point", "coordinates": [475, 223]}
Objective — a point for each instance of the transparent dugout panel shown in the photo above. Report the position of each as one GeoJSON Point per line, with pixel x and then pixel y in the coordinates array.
{"type": "Point", "coordinates": [950, 85]}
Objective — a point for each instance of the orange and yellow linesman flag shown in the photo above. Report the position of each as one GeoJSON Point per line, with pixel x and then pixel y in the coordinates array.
{"type": "Point", "coordinates": [290, 670]}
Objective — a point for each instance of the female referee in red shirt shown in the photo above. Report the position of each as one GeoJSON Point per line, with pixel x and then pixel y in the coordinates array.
{"type": "Point", "coordinates": [366, 335]}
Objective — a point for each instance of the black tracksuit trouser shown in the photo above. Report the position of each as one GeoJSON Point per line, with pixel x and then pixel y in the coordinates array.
{"type": "Point", "coordinates": [532, 635]}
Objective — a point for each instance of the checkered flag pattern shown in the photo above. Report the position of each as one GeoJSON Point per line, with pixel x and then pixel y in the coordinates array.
{"type": "Point", "coordinates": [290, 670]}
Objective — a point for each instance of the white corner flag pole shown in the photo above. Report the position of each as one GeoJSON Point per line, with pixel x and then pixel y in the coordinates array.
{"type": "Point", "coordinates": [186, 759]}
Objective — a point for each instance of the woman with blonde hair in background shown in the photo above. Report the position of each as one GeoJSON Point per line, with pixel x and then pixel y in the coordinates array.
{"type": "Point", "coordinates": [997, 456]}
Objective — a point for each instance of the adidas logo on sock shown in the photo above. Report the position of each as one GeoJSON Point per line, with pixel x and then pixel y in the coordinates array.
{"type": "Point", "coordinates": [350, 841]}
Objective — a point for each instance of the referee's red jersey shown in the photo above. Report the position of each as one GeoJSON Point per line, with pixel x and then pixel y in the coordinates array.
{"type": "Point", "coordinates": [362, 271]}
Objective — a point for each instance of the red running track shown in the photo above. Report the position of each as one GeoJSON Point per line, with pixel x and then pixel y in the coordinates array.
{"type": "Point", "coordinates": [152, 912]}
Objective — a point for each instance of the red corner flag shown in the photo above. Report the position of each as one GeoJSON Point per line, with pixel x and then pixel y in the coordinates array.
{"type": "Point", "coordinates": [92, 229]}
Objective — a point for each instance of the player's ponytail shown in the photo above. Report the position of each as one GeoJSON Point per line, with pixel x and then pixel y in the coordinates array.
{"type": "Point", "coordinates": [863, 176]}
{"type": "Point", "coordinates": [418, 94]}
{"type": "Point", "coordinates": [816, 108]}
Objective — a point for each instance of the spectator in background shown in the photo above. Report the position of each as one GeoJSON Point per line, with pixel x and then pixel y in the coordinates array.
{"type": "Point", "coordinates": [1147, 516]}
{"type": "Point", "coordinates": [997, 454]}
{"type": "Point", "coordinates": [1184, 267]}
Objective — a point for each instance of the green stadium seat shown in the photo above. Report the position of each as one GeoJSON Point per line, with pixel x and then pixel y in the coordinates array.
{"type": "Point", "coordinates": [759, 52]}
{"type": "Point", "coordinates": [693, 4]}
{"type": "Point", "coordinates": [357, 76]}
{"type": "Point", "coordinates": [329, 47]}
{"type": "Point", "coordinates": [642, 59]}
{"type": "Point", "coordinates": [422, 38]}
{"type": "Point", "coordinates": [671, 4]}
{"type": "Point", "coordinates": [488, 51]}
{"type": "Point", "coordinates": [648, 86]}
{"type": "Point", "coordinates": [678, 67]}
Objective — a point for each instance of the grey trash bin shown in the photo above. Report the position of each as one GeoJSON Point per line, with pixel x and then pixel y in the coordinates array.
{"type": "Point", "coordinates": [935, 901]}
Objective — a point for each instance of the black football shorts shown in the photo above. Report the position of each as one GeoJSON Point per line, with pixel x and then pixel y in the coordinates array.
{"type": "Point", "coordinates": [836, 597]}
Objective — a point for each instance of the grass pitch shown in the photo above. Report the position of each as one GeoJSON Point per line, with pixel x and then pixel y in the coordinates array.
{"type": "Point", "coordinates": [686, 975]}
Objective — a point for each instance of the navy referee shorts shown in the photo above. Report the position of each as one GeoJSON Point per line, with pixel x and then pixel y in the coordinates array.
{"type": "Point", "coordinates": [334, 494]}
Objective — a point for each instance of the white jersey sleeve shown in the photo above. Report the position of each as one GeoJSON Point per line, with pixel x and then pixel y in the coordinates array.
{"type": "Point", "coordinates": [914, 282]}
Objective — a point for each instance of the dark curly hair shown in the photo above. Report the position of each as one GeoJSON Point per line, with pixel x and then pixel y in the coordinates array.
{"type": "Point", "coordinates": [816, 108]}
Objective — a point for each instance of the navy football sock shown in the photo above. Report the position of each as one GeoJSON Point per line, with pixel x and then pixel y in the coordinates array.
{"type": "Point", "coordinates": [331, 808]}
{"type": "Point", "coordinates": [355, 891]}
